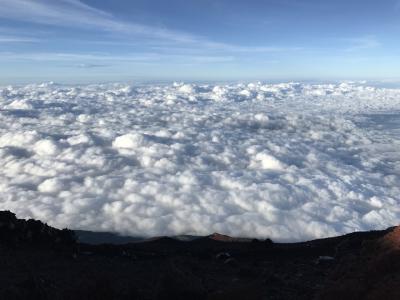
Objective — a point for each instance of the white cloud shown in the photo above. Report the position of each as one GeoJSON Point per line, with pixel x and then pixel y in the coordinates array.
{"type": "Point", "coordinates": [288, 161]}
{"type": "Point", "coordinates": [56, 56]}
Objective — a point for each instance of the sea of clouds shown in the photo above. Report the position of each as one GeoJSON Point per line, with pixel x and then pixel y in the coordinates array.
{"type": "Point", "coordinates": [287, 161]}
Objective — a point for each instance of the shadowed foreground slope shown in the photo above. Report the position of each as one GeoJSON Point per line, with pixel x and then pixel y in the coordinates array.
{"type": "Point", "coordinates": [40, 262]}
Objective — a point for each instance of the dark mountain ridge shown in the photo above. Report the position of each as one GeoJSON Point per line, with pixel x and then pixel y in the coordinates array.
{"type": "Point", "coordinates": [41, 262]}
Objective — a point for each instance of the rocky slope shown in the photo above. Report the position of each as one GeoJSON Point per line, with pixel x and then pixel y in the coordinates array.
{"type": "Point", "coordinates": [41, 262]}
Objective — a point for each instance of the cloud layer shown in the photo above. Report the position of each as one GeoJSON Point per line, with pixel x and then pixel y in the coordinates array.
{"type": "Point", "coordinates": [287, 161]}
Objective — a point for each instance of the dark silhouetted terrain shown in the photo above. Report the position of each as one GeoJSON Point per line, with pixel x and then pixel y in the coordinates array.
{"type": "Point", "coordinates": [41, 262]}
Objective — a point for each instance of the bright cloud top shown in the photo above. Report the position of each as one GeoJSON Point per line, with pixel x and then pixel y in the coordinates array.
{"type": "Point", "coordinates": [287, 161]}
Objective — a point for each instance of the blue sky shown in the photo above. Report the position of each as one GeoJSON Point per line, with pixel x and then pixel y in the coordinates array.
{"type": "Point", "coordinates": [151, 40]}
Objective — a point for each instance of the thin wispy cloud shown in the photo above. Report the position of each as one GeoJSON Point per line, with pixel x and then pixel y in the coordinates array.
{"type": "Point", "coordinates": [363, 43]}
{"type": "Point", "coordinates": [17, 39]}
{"type": "Point", "coordinates": [92, 60]}
{"type": "Point", "coordinates": [225, 37]}
{"type": "Point", "coordinates": [255, 49]}
{"type": "Point", "coordinates": [55, 56]}
{"type": "Point", "coordinates": [90, 66]}
{"type": "Point", "coordinates": [74, 13]}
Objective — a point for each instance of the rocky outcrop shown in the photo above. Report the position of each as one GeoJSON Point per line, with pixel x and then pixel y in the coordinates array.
{"type": "Point", "coordinates": [370, 272]}
{"type": "Point", "coordinates": [14, 231]}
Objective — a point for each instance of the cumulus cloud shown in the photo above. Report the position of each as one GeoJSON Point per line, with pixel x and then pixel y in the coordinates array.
{"type": "Point", "coordinates": [288, 161]}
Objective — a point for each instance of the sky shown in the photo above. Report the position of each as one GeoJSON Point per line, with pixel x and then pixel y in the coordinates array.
{"type": "Point", "coordinates": [82, 41]}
